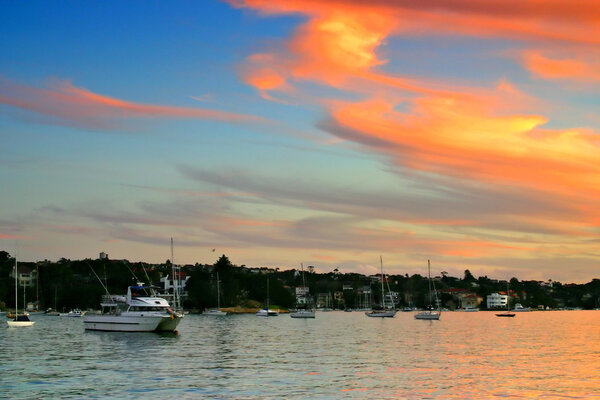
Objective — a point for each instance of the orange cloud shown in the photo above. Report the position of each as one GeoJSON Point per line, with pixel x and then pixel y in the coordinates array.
{"type": "Point", "coordinates": [81, 106]}
{"type": "Point", "coordinates": [340, 39]}
{"type": "Point", "coordinates": [566, 68]}
{"type": "Point", "coordinates": [455, 137]}
{"type": "Point", "coordinates": [466, 133]}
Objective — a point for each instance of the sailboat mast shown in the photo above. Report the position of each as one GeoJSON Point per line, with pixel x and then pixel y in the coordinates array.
{"type": "Point", "coordinates": [304, 287]}
{"type": "Point", "coordinates": [507, 297]}
{"type": "Point", "coordinates": [16, 289]}
{"type": "Point", "coordinates": [429, 280]}
{"type": "Point", "coordinates": [267, 294]}
{"type": "Point", "coordinates": [382, 291]}
{"type": "Point", "coordinates": [218, 293]}
{"type": "Point", "coordinates": [37, 290]}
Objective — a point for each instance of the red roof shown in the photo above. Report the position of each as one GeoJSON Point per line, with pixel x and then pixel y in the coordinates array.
{"type": "Point", "coordinates": [454, 290]}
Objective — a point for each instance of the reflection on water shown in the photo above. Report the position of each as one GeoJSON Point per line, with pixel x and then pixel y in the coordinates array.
{"type": "Point", "coordinates": [463, 356]}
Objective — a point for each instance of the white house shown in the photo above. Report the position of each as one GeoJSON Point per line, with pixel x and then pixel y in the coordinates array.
{"type": "Point", "coordinates": [496, 300]}
{"type": "Point", "coordinates": [302, 294]}
{"type": "Point", "coordinates": [27, 276]}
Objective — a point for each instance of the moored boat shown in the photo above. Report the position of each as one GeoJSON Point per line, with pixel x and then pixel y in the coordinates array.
{"type": "Point", "coordinates": [17, 320]}
{"type": "Point", "coordinates": [216, 312]}
{"type": "Point", "coordinates": [520, 308]}
{"type": "Point", "coordinates": [430, 313]}
{"type": "Point", "coordinates": [266, 312]}
{"type": "Point", "coordinates": [76, 312]}
{"type": "Point", "coordinates": [302, 313]}
{"type": "Point", "coordinates": [135, 312]}
{"type": "Point", "coordinates": [383, 312]}
{"type": "Point", "coordinates": [302, 310]}
{"type": "Point", "coordinates": [507, 313]}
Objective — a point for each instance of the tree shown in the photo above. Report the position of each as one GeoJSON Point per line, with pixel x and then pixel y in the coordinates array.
{"type": "Point", "coordinates": [468, 276]}
{"type": "Point", "coordinates": [222, 262]}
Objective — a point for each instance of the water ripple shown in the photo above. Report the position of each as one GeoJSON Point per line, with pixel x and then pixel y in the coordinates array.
{"type": "Point", "coordinates": [538, 355]}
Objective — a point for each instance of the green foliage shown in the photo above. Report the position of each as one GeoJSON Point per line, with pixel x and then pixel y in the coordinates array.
{"type": "Point", "coordinates": [67, 284]}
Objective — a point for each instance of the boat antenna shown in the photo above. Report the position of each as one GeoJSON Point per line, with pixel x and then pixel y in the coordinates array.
{"type": "Point", "coordinates": [99, 280]}
{"type": "Point", "coordinates": [132, 273]}
{"type": "Point", "coordinates": [149, 281]}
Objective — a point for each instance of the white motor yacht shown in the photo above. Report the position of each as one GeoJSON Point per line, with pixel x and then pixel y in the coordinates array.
{"type": "Point", "coordinates": [135, 312]}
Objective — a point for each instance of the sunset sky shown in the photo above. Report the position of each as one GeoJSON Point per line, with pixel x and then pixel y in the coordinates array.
{"type": "Point", "coordinates": [323, 132]}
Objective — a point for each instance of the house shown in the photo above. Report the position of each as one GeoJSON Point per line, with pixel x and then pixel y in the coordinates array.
{"type": "Point", "coordinates": [338, 296]}
{"type": "Point", "coordinates": [168, 286]}
{"type": "Point", "coordinates": [27, 276]}
{"type": "Point", "coordinates": [470, 300]}
{"type": "Point", "coordinates": [302, 295]}
{"type": "Point", "coordinates": [324, 300]}
{"type": "Point", "coordinates": [497, 300]}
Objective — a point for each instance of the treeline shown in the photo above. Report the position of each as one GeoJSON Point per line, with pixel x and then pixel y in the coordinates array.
{"type": "Point", "coordinates": [66, 284]}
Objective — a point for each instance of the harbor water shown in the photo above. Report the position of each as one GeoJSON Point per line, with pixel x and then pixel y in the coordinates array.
{"type": "Point", "coordinates": [536, 355]}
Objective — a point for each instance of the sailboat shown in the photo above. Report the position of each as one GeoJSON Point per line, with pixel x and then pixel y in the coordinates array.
{"type": "Point", "coordinates": [303, 312]}
{"type": "Point", "coordinates": [430, 313]}
{"type": "Point", "coordinates": [266, 312]}
{"type": "Point", "coordinates": [507, 313]}
{"type": "Point", "coordinates": [216, 311]}
{"type": "Point", "coordinates": [383, 313]}
{"type": "Point", "coordinates": [18, 320]}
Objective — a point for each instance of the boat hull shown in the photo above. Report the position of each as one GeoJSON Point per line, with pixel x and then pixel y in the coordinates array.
{"type": "Point", "coordinates": [302, 314]}
{"type": "Point", "coordinates": [509, 315]}
{"type": "Point", "coordinates": [19, 324]}
{"type": "Point", "coordinates": [126, 323]}
{"type": "Point", "coordinates": [267, 313]}
{"type": "Point", "coordinates": [433, 316]}
{"type": "Point", "coordinates": [381, 314]}
{"type": "Point", "coordinates": [215, 313]}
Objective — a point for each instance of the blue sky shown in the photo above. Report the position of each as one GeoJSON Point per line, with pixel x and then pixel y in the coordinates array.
{"type": "Point", "coordinates": [282, 132]}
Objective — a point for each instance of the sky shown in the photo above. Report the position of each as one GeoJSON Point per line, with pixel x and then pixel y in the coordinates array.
{"type": "Point", "coordinates": [322, 132]}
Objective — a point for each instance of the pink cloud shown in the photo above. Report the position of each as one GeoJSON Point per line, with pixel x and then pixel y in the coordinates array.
{"type": "Point", "coordinates": [80, 106]}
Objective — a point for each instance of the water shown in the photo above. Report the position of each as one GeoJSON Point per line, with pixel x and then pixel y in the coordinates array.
{"type": "Point", "coordinates": [536, 355]}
